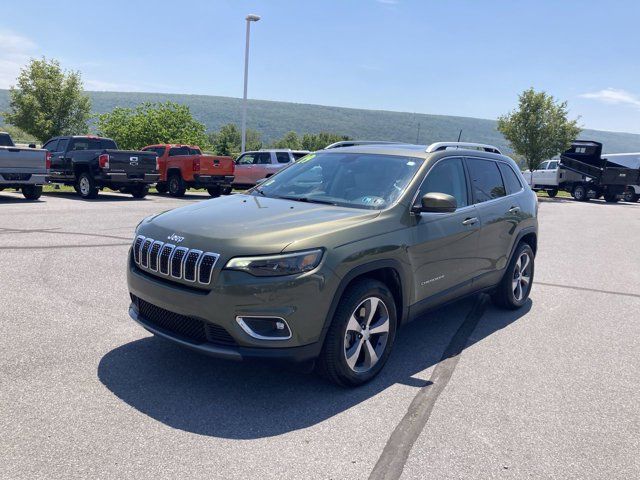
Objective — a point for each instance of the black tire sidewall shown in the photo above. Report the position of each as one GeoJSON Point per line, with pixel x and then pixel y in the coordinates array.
{"type": "Point", "coordinates": [509, 299]}
{"type": "Point", "coordinates": [334, 343]}
{"type": "Point", "coordinates": [176, 186]}
{"type": "Point", "coordinates": [32, 192]}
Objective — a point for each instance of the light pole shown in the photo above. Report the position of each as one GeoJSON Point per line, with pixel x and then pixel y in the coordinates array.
{"type": "Point", "coordinates": [250, 18]}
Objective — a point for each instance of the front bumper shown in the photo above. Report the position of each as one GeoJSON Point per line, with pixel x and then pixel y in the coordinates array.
{"type": "Point", "coordinates": [303, 301]}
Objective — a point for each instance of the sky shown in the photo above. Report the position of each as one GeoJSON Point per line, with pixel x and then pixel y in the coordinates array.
{"type": "Point", "coordinates": [452, 57]}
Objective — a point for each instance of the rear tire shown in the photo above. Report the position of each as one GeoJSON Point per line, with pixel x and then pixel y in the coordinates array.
{"type": "Point", "coordinates": [352, 355]}
{"type": "Point", "coordinates": [515, 286]}
{"type": "Point", "coordinates": [226, 191]}
{"type": "Point", "coordinates": [140, 191]}
{"type": "Point", "coordinates": [86, 186]}
{"type": "Point", "coordinates": [176, 185]}
{"type": "Point", "coordinates": [631, 196]}
{"type": "Point", "coordinates": [162, 187]}
{"type": "Point", "coordinates": [32, 192]}
{"type": "Point", "coordinates": [214, 191]}
{"type": "Point", "coordinates": [580, 193]}
{"type": "Point", "coordinates": [552, 193]}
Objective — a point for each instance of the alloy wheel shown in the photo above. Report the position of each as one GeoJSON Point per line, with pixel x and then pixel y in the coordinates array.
{"type": "Point", "coordinates": [521, 276]}
{"type": "Point", "coordinates": [84, 186]}
{"type": "Point", "coordinates": [366, 335]}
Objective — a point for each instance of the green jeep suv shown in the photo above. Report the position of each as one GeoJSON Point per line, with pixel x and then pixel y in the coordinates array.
{"type": "Point", "coordinates": [326, 259]}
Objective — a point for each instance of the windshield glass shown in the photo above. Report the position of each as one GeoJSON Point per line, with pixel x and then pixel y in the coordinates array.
{"type": "Point", "coordinates": [346, 179]}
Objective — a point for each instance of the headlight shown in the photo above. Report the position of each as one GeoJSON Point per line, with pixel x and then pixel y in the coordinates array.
{"type": "Point", "coordinates": [276, 265]}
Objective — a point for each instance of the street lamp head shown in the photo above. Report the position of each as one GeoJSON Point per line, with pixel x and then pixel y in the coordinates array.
{"type": "Point", "coordinates": [252, 18]}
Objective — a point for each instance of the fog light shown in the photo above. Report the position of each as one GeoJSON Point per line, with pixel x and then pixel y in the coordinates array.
{"type": "Point", "coordinates": [265, 328]}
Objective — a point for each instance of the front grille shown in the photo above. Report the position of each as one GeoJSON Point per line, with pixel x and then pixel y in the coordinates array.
{"type": "Point", "coordinates": [177, 262]}
{"type": "Point", "coordinates": [187, 328]}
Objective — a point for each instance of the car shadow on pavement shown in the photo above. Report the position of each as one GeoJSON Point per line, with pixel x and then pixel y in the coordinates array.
{"type": "Point", "coordinates": [207, 396]}
{"type": "Point", "coordinates": [102, 197]}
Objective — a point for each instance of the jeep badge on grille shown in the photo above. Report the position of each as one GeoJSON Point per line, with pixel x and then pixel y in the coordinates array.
{"type": "Point", "coordinates": [175, 238]}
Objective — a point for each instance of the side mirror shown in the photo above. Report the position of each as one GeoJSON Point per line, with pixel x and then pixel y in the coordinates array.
{"type": "Point", "coordinates": [436, 202]}
{"type": "Point", "coordinates": [32, 145]}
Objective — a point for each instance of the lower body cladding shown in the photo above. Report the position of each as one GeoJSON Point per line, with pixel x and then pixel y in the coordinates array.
{"type": "Point", "coordinates": [241, 317]}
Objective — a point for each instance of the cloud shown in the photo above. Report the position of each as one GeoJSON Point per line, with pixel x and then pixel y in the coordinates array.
{"type": "Point", "coordinates": [15, 53]}
{"type": "Point", "coordinates": [614, 96]}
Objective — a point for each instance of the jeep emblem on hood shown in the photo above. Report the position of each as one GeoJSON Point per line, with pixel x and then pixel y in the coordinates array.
{"type": "Point", "coordinates": [175, 238]}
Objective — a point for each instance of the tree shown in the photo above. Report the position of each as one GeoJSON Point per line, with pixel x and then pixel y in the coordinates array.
{"type": "Point", "coordinates": [151, 123]}
{"type": "Point", "coordinates": [539, 129]}
{"type": "Point", "coordinates": [228, 140]}
{"type": "Point", "coordinates": [290, 140]}
{"type": "Point", "coordinates": [317, 141]}
{"type": "Point", "coordinates": [48, 101]}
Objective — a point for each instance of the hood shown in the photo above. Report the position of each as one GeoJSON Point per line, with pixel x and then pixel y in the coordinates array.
{"type": "Point", "coordinates": [250, 225]}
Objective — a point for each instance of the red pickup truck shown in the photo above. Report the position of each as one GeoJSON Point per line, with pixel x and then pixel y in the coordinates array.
{"type": "Point", "coordinates": [184, 166]}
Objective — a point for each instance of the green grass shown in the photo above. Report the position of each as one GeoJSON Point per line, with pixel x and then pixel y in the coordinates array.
{"type": "Point", "coordinates": [560, 194]}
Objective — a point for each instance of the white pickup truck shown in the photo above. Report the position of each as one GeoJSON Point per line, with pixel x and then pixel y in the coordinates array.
{"type": "Point", "coordinates": [24, 169]}
{"type": "Point", "coordinates": [585, 173]}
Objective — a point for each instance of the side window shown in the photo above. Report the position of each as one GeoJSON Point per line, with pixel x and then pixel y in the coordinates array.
{"type": "Point", "coordinates": [447, 177]}
{"type": "Point", "coordinates": [80, 144]}
{"type": "Point", "coordinates": [552, 165]}
{"type": "Point", "coordinates": [486, 180]}
{"type": "Point", "coordinates": [246, 159]}
{"type": "Point", "coordinates": [62, 145]}
{"type": "Point", "coordinates": [283, 157]}
{"type": "Point", "coordinates": [264, 158]}
{"type": "Point", "coordinates": [176, 151]}
{"type": "Point", "coordinates": [51, 145]}
{"type": "Point", "coordinates": [543, 166]}
{"type": "Point", "coordinates": [511, 180]}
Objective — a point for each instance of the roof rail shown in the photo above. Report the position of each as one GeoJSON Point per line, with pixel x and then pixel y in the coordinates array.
{"type": "Point", "coordinates": [353, 143]}
{"type": "Point", "coordinates": [438, 146]}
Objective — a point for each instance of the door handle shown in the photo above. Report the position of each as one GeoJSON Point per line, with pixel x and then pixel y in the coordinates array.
{"type": "Point", "coordinates": [514, 209]}
{"type": "Point", "coordinates": [470, 221]}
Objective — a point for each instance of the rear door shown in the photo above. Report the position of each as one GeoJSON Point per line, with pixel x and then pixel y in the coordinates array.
{"type": "Point", "coordinates": [262, 167]}
{"type": "Point", "coordinates": [57, 159]}
{"type": "Point", "coordinates": [444, 250]}
{"type": "Point", "coordinates": [499, 215]}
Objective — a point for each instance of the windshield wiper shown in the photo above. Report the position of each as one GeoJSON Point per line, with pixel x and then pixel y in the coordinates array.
{"type": "Point", "coordinates": [308, 200]}
{"type": "Point", "coordinates": [259, 190]}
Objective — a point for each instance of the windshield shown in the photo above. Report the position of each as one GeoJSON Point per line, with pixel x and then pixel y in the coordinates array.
{"type": "Point", "coordinates": [346, 179]}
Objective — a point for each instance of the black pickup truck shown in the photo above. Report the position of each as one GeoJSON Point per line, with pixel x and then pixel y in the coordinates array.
{"type": "Point", "coordinates": [90, 163]}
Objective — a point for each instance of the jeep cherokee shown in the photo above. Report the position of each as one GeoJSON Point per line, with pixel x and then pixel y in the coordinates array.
{"type": "Point", "coordinates": [327, 258]}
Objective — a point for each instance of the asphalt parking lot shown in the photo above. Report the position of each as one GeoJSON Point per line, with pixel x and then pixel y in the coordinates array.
{"type": "Point", "coordinates": [550, 391]}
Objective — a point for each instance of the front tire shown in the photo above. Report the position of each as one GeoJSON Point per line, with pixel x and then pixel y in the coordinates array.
{"type": "Point", "coordinates": [176, 185]}
{"type": "Point", "coordinates": [515, 286]}
{"type": "Point", "coordinates": [552, 193]}
{"type": "Point", "coordinates": [32, 192]}
{"type": "Point", "coordinates": [361, 335]}
{"type": "Point", "coordinates": [214, 191]}
{"type": "Point", "coordinates": [86, 186]}
{"type": "Point", "coordinates": [162, 187]}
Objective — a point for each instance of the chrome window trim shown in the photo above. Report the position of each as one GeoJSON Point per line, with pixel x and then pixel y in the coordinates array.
{"type": "Point", "coordinates": [247, 329]}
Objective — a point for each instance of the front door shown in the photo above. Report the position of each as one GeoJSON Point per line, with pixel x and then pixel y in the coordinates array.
{"type": "Point", "coordinates": [243, 168]}
{"type": "Point", "coordinates": [444, 250]}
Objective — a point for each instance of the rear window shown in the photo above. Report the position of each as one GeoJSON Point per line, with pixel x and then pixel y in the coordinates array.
{"type": "Point", "coordinates": [176, 151]}
{"type": "Point", "coordinates": [194, 151]}
{"type": "Point", "coordinates": [93, 144]}
{"type": "Point", "coordinates": [159, 151]}
{"type": "Point", "coordinates": [5, 140]}
{"type": "Point", "coordinates": [511, 180]}
{"type": "Point", "coordinates": [299, 155]}
{"type": "Point", "coordinates": [486, 180]}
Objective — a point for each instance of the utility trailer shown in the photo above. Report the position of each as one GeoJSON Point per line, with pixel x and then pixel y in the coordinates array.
{"type": "Point", "coordinates": [585, 173]}
{"type": "Point", "coordinates": [629, 160]}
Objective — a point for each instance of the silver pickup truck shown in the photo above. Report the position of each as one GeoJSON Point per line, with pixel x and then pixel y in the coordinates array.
{"type": "Point", "coordinates": [22, 169]}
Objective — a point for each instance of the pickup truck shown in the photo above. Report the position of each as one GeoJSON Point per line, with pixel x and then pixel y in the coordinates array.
{"type": "Point", "coordinates": [23, 169]}
{"type": "Point", "coordinates": [583, 172]}
{"type": "Point", "coordinates": [184, 166]}
{"type": "Point", "coordinates": [90, 163]}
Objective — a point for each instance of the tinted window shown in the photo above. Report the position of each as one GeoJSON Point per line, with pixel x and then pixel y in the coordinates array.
{"type": "Point", "coordinates": [283, 157]}
{"type": "Point", "coordinates": [159, 151]}
{"type": "Point", "coordinates": [51, 145]}
{"type": "Point", "coordinates": [552, 165]}
{"type": "Point", "coordinates": [89, 144]}
{"type": "Point", "coordinates": [194, 151]}
{"type": "Point", "coordinates": [299, 155]}
{"type": "Point", "coordinates": [511, 180]}
{"type": "Point", "coordinates": [486, 180]}
{"type": "Point", "coordinates": [5, 140]}
{"type": "Point", "coordinates": [108, 144]}
{"type": "Point", "coordinates": [447, 177]}
{"type": "Point", "coordinates": [246, 159]}
{"type": "Point", "coordinates": [175, 151]}
{"type": "Point", "coordinates": [62, 145]}
{"type": "Point", "coordinates": [264, 158]}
